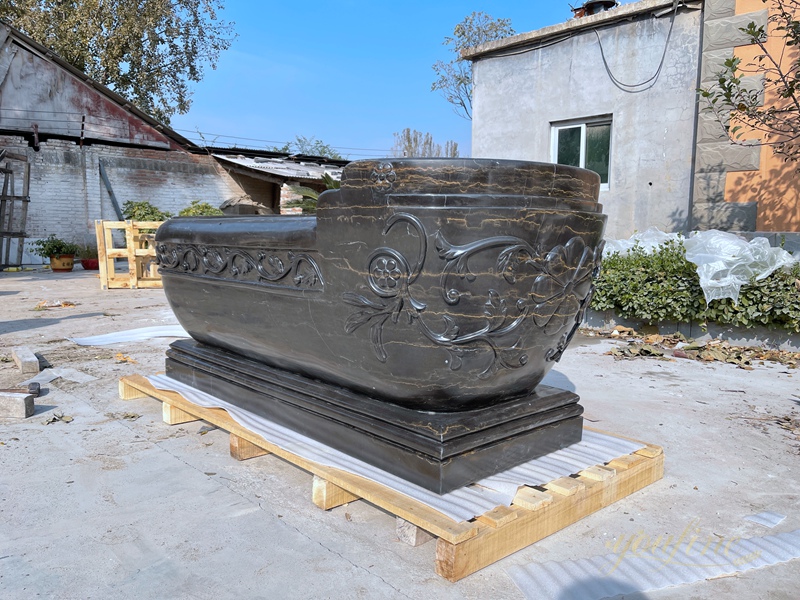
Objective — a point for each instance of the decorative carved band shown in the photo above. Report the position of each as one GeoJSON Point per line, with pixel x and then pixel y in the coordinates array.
{"type": "Point", "coordinates": [285, 269]}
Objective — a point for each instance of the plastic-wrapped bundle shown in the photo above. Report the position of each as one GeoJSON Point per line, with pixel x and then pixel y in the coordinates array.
{"type": "Point", "coordinates": [647, 240]}
{"type": "Point", "coordinates": [725, 262]}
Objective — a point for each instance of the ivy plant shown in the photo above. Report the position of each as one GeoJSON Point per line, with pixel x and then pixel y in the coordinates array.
{"type": "Point", "coordinates": [663, 286]}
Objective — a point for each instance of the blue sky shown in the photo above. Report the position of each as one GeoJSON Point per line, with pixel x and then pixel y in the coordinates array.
{"type": "Point", "coordinates": [350, 73]}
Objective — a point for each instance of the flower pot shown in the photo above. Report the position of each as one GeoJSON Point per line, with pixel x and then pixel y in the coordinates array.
{"type": "Point", "coordinates": [90, 264]}
{"type": "Point", "coordinates": [62, 263]}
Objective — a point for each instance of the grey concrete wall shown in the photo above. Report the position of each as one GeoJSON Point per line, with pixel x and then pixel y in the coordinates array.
{"type": "Point", "coordinates": [517, 97]}
{"type": "Point", "coordinates": [67, 194]}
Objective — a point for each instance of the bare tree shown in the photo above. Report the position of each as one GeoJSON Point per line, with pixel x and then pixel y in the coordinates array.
{"type": "Point", "coordinates": [413, 143]}
{"type": "Point", "coordinates": [454, 78]}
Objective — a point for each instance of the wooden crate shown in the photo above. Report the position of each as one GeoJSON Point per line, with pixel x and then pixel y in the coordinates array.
{"type": "Point", "coordinates": [139, 251]}
{"type": "Point", "coordinates": [462, 548]}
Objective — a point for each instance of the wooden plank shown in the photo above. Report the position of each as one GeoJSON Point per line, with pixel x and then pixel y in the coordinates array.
{"type": "Point", "coordinates": [328, 495]}
{"type": "Point", "coordinates": [398, 504]}
{"type": "Point", "coordinates": [128, 392]}
{"type": "Point", "coordinates": [462, 548]}
{"type": "Point", "coordinates": [102, 257]}
{"type": "Point", "coordinates": [455, 561]}
{"type": "Point", "coordinates": [131, 248]}
{"type": "Point", "coordinates": [175, 416]}
{"type": "Point", "coordinates": [498, 516]}
{"type": "Point", "coordinates": [531, 499]}
{"type": "Point", "coordinates": [650, 451]}
{"type": "Point", "coordinates": [565, 486]}
{"type": "Point", "coordinates": [623, 463]}
{"type": "Point", "coordinates": [410, 534]}
{"type": "Point", "coordinates": [598, 473]}
{"type": "Point", "coordinates": [242, 449]}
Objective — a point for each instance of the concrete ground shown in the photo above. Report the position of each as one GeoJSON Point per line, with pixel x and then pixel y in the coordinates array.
{"type": "Point", "coordinates": [116, 504]}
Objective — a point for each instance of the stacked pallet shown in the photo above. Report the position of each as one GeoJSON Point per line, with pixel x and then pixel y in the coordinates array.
{"type": "Point", "coordinates": [463, 547]}
{"type": "Point", "coordinates": [139, 250]}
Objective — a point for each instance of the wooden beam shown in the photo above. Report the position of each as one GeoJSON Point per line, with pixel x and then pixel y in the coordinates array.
{"type": "Point", "coordinates": [410, 534]}
{"type": "Point", "coordinates": [394, 502]}
{"type": "Point", "coordinates": [242, 449]}
{"type": "Point", "coordinates": [455, 561]}
{"type": "Point", "coordinates": [175, 416]}
{"type": "Point", "coordinates": [327, 495]}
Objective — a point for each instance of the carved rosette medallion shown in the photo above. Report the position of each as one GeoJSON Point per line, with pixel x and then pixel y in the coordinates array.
{"type": "Point", "coordinates": [556, 302]}
{"type": "Point", "coordinates": [383, 177]}
{"type": "Point", "coordinates": [290, 271]}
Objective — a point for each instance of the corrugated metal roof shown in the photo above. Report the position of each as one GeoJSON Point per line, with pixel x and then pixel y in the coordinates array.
{"type": "Point", "coordinates": [288, 168]}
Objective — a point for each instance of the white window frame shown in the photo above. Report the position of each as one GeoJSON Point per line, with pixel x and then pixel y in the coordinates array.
{"type": "Point", "coordinates": [582, 123]}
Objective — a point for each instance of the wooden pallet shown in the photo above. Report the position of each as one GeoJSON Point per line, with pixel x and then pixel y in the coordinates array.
{"type": "Point", "coordinates": [139, 251]}
{"type": "Point", "coordinates": [462, 548]}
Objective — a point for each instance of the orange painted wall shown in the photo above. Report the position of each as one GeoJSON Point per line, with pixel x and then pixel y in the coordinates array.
{"type": "Point", "coordinates": [776, 185]}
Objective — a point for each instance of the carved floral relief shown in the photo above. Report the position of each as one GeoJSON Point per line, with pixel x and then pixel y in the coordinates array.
{"type": "Point", "coordinates": [560, 292]}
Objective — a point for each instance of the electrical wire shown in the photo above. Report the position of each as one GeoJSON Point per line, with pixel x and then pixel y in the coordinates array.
{"type": "Point", "coordinates": [650, 81]}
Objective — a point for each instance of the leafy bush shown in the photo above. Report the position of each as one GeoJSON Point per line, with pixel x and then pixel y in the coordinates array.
{"type": "Point", "coordinates": [53, 246]}
{"type": "Point", "coordinates": [664, 286]}
{"type": "Point", "coordinates": [143, 211]}
{"type": "Point", "coordinates": [88, 251]}
{"type": "Point", "coordinates": [200, 209]}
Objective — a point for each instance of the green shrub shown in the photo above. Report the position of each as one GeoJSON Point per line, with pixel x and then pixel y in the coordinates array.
{"type": "Point", "coordinates": [664, 286]}
{"type": "Point", "coordinates": [53, 246]}
{"type": "Point", "coordinates": [200, 209]}
{"type": "Point", "coordinates": [143, 211]}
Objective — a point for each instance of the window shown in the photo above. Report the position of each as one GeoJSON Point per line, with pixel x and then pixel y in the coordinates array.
{"type": "Point", "coordinates": [586, 145]}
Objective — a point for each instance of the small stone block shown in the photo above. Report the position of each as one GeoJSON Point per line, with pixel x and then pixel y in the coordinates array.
{"type": "Point", "coordinates": [175, 416]}
{"type": "Point", "coordinates": [598, 473]}
{"type": "Point", "coordinates": [411, 534]}
{"type": "Point", "coordinates": [25, 360]}
{"type": "Point", "coordinates": [531, 499]}
{"type": "Point", "coordinates": [566, 486]}
{"type": "Point", "coordinates": [498, 516]}
{"type": "Point", "coordinates": [242, 449]}
{"type": "Point", "coordinates": [327, 495]}
{"type": "Point", "coordinates": [17, 406]}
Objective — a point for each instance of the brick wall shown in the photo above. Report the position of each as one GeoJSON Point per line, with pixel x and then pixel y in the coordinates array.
{"type": "Point", "coordinates": [67, 194]}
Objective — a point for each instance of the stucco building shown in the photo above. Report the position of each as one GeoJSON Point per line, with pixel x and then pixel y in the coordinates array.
{"type": "Point", "coordinates": [616, 92]}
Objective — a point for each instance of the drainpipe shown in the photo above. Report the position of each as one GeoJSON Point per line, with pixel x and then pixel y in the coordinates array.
{"type": "Point", "coordinates": [690, 216]}
{"type": "Point", "coordinates": [110, 191]}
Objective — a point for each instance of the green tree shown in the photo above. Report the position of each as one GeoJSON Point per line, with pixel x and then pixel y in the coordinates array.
{"type": "Point", "coordinates": [413, 143]}
{"type": "Point", "coordinates": [454, 78]}
{"type": "Point", "coordinates": [310, 146]}
{"type": "Point", "coordinates": [740, 107]}
{"type": "Point", "coordinates": [308, 202]}
{"type": "Point", "coordinates": [148, 51]}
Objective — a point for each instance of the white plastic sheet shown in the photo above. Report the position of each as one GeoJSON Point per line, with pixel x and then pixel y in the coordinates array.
{"type": "Point", "coordinates": [725, 262]}
{"type": "Point", "coordinates": [648, 240]}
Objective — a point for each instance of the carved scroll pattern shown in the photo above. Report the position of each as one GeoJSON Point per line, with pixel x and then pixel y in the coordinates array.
{"type": "Point", "coordinates": [288, 269]}
{"type": "Point", "coordinates": [560, 293]}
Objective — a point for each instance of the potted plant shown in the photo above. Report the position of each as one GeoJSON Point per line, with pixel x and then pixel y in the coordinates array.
{"type": "Point", "coordinates": [89, 260]}
{"type": "Point", "coordinates": [61, 253]}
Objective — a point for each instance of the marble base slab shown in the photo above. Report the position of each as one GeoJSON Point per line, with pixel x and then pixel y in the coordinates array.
{"type": "Point", "coordinates": [439, 451]}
